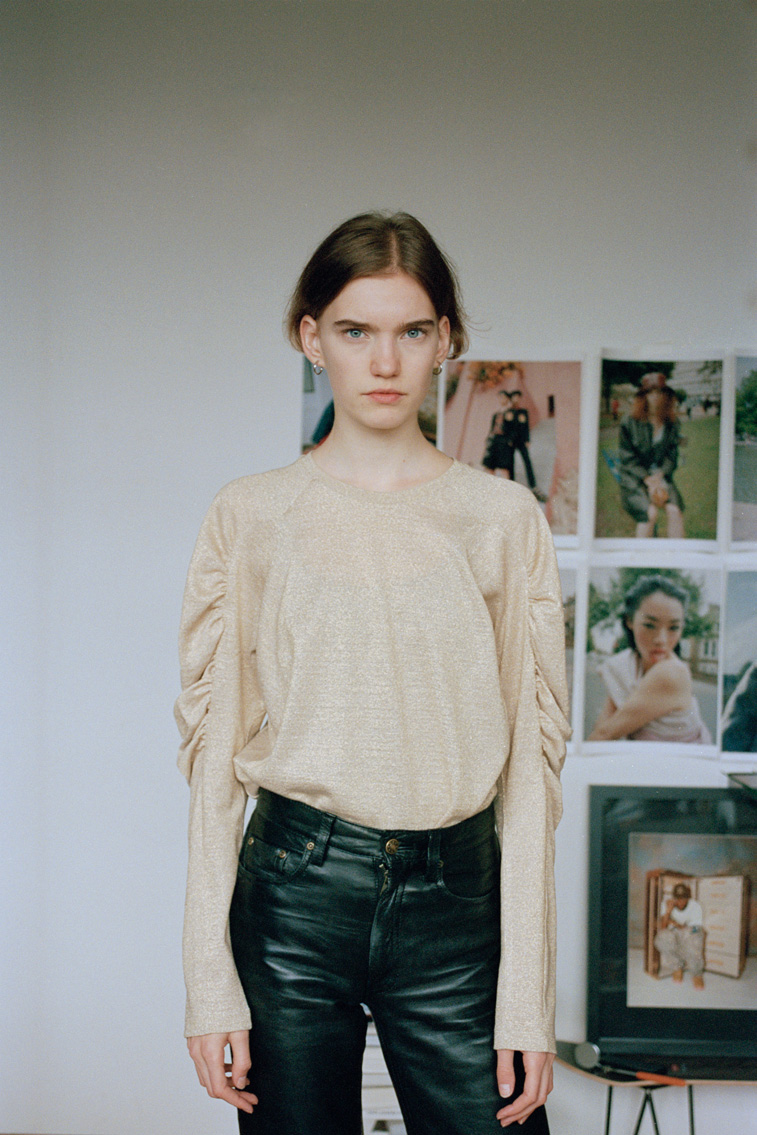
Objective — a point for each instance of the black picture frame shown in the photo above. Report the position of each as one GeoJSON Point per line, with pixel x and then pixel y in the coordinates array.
{"type": "Point", "coordinates": [650, 1037]}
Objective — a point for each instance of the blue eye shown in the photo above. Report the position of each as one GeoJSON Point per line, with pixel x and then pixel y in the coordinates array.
{"type": "Point", "coordinates": [414, 332]}
{"type": "Point", "coordinates": [354, 333]}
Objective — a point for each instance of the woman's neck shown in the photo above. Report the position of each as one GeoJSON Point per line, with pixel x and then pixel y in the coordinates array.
{"type": "Point", "coordinates": [381, 461]}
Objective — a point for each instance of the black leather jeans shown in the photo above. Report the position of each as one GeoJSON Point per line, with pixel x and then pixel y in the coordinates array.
{"type": "Point", "coordinates": [328, 916]}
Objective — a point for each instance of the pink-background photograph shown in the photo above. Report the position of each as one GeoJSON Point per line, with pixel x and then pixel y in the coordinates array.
{"type": "Point", "coordinates": [551, 393]}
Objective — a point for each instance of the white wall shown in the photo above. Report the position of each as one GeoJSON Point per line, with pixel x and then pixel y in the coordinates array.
{"type": "Point", "coordinates": [166, 169]}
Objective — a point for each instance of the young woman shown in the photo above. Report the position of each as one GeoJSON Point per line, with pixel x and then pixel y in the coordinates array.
{"type": "Point", "coordinates": [372, 645]}
{"type": "Point", "coordinates": [648, 449]}
{"type": "Point", "coordinates": [649, 692]}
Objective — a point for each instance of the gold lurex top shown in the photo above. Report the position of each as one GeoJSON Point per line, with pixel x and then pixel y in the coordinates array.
{"type": "Point", "coordinates": [396, 658]}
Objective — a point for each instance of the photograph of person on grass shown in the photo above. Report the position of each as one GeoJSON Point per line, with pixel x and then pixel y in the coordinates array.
{"type": "Point", "coordinates": [659, 427]}
{"type": "Point", "coordinates": [744, 515]}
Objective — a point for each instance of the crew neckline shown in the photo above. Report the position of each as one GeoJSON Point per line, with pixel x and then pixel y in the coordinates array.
{"type": "Point", "coordinates": [379, 494]}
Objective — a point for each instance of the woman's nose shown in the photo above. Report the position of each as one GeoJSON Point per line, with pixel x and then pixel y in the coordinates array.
{"type": "Point", "coordinates": [385, 359]}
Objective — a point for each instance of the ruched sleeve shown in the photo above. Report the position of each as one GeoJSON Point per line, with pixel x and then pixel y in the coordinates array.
{"type": "Point", "coordinates": [219, 711]}
{"type": "Point", "coordinates": [529, 799]}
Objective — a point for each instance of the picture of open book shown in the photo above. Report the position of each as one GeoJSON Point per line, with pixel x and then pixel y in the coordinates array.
{"type": "Point", "coordinates": [692, 920]}
{"type": "Point", "coordinates": [695, 923]}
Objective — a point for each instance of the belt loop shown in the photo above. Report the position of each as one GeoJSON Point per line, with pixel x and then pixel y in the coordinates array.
{"type": "Point", "coordinates": [322, 839]}
{"type": "Point", "coordinates": [432, 857]}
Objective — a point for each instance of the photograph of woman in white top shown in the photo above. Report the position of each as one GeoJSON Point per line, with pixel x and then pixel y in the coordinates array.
{"type": "Point", "coordinates": [372, 645]}
{"type": "Point", "coordinates": [649, 686]}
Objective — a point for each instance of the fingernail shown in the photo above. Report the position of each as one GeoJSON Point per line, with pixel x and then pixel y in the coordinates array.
{"type": "Point", "coordinates": [505, 1090]}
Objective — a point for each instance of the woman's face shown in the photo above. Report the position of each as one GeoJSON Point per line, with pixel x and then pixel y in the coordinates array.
{"type": "Point", "coordinates": [657, 626]}
{"type": "Point", "coordinates": [379, 341]}
{"type": "Point", "coordinates": [655, 400]}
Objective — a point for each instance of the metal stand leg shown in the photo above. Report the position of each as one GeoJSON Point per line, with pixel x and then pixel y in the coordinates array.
{"type": "Point", "coordinates": [690, 1090]}
{"type": "Point", "coordinates": [608, 1111]}
{"type": "Point", "coordinates": [650, 1102]}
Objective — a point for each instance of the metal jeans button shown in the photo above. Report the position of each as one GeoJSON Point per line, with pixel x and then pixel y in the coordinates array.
{"type": "Point", "coordinates": [392, 846]}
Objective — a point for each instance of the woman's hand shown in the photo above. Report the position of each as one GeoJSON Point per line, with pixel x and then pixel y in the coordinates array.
{"type": "Point", "coordinates": [658, 490]}
{"type": "Point", "coordinates": [537, 1086]}
{"type": "Point", "coordinates": [598, 733]}
{"type": "Point", "coordinates": [224, 1081]}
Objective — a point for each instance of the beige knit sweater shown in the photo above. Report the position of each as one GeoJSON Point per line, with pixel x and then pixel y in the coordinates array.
{"type": "Point", "coordinates": [396, 658]}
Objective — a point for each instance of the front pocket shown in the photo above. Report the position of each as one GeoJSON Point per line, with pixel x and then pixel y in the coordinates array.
{"type": "Point", "coordinates": [472, 873]}
{"type": "Point", "coordinates": [275, 863]}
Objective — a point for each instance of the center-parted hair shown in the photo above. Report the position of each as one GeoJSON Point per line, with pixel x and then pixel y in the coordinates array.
{"type": "Point", "coordinates": [643, 587]}
{"type": "Point", "coordinates": [378, 244]}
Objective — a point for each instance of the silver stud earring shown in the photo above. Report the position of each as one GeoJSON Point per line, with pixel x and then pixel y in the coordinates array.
{"type": "Point", "coordinates": [317, 369]}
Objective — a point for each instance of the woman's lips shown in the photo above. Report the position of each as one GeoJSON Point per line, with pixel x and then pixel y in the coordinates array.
{"type": "Point", "coordinates": [385, 397]}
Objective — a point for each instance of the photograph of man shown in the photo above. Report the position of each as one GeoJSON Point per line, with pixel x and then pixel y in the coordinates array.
{"type": "Point", "coordinates": [519, 420]}
{"type": "Point", "coordinates": [692, 919]}
{"type": "Point", "coordinates": [499, 453]}
{"type": "Point", "coordinates": [680, 938]}
{"type": "Point", "coordinates": [521, 436]}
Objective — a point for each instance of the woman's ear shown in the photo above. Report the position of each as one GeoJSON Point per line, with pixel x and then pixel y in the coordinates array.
{"type": "Point", "coordinates": [444, 339]}
{"type": "Point", "coordinates": [311, 343]}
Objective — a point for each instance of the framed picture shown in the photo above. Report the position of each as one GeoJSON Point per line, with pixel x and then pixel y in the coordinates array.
{"type": "Point", "coordinates": [672, 967]}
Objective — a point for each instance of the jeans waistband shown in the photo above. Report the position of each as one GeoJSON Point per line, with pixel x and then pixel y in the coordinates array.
{"type": "Point", "coordinates": [324, 828]}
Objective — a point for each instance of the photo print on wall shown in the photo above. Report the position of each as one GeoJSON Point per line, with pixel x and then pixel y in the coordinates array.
{"type": "Point", "coordinates": [519, 420]}
{"type": "Point", "coordinates": [659, 442]}
{"type": "Point", "coordinates": [744, 513]}
{"type": "Point", "coordinates": [739, 721]}
{"type": "Point", "coordinates": [651, 665]}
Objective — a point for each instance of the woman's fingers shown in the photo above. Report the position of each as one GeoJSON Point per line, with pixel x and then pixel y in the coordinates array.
{"type": "Point", "coordinates": [505, 1072]}
{"type": "Point", "coordinates": [536, 1088]}
{"type": "Point", "coordinates": [208, 1051]}
{"type": "Point", "coordinates": [239, 1043]}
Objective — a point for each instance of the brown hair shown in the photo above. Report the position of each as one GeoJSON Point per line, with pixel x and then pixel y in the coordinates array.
{"type": "Point", "coordinates": [378, 244]}
{"type": "Point", "coordinates": [640, 408]}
